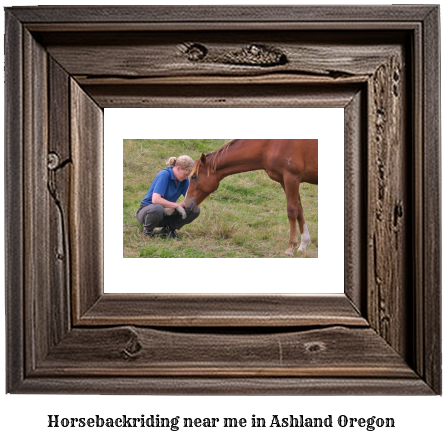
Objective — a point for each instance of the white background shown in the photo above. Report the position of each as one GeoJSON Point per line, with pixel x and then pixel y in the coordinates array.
{"type": "Point", "coordinates": [289, 275]}
{"type": "Point", "coordinates": [27, 414]}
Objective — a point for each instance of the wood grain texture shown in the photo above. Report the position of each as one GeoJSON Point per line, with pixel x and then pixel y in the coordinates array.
{"type": "Point", "coordinates": [59, 166]}
{"type": "Point", "coordinates": [86, 214]}
{"type": "Point", "coordinates": [129, 351]}
{"type": "Point", "coordinates": [431, 316]}
{"type": "Point", "coordinates": [14, 245]}
{"type": "Point", "coordinates": [288, 386]}
{"type": "Point", "coordinates": [418, 358]}
{"type": "Point", "coordinates": [206, 310]}
{"type": "Point", "coordinates": [228, 96]}
{"type": "Point", "coordinates": [355, 188]}
{"type": "Point", "coordinates": [388, 203]}
{"type": "Point", "coordinates": [222, 53]}
{"type": "Point", "coordinates": [37, 259]}
{"type": "Point", "coordinates": [222, 14]}
{"type": "Point", "coordinates": [384, 340]}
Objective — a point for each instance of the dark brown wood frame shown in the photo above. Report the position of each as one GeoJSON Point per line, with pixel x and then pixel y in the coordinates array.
{"type": "Point", "coordinates": [64, 65]}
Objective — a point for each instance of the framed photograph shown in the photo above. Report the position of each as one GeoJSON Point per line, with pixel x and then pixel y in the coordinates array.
{"type": "Point", "coordinates": [242, 211]}
{"type": "Point", "coordinates": [375, 331]}
{"type": "Point", "coordinates": [243, 222]}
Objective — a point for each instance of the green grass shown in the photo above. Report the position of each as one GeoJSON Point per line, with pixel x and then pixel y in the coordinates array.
{"type": "Point", "coordinates": [246, 216]}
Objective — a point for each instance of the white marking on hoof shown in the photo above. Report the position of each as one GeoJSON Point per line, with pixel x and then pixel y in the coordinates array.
{"type": "Point", "coordinates": [305, 239]}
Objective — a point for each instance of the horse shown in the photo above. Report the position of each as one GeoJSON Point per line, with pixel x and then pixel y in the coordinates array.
{"type": "Point", "coordinates": [289, 162]}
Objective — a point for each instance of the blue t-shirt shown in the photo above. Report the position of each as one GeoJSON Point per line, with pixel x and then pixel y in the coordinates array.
{"type": "Point", "coordinates": [166, 186]}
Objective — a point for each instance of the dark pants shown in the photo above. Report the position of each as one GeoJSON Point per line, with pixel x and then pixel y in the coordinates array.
{"type": "Point", "coordinates": [153, 216]}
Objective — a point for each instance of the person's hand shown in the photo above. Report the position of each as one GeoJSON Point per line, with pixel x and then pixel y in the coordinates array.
{"type": "Point", "coordinates": [181, 211]}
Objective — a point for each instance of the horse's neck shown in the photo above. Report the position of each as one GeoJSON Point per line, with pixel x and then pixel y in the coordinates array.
{"type": "Point", "coordinates": [237, 160]}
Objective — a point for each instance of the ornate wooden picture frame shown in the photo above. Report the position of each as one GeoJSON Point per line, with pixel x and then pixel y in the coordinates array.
{"type": "Point", "coordinates": [64, 65]}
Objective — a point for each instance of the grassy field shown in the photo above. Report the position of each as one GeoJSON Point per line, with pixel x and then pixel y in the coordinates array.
{"type": "Point", "coordinates": [246, 217]}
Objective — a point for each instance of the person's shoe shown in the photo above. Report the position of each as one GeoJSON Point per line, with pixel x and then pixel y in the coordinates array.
{"type": "Point", "coordinates": [167, 232]}
{"type": "Point", "coordinates": [147, 233]}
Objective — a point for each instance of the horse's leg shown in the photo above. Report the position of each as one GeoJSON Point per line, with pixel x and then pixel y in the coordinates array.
{"type": "Point", "coordinates": [292, 186]}
{"type": "Point", "coordinates": [305, 237]}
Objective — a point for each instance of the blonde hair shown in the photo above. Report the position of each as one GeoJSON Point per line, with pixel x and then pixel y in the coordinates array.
{"type": "Point", "coordinates": [183, 161]}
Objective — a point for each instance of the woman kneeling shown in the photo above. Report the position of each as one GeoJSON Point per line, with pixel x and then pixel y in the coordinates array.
{"type": "Point", "coordinates": [159, 207]}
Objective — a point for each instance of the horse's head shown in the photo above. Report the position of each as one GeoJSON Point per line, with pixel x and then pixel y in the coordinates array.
{"type": "Point", "coordinates": [203, 182]}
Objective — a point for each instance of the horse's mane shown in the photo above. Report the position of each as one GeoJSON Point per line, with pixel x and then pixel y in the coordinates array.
{"type": "Point", "coordinates": [211, 159]}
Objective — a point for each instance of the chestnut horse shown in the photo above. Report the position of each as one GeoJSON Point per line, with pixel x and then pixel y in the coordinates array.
{"type": "Point", "coordinates": [289, 162]}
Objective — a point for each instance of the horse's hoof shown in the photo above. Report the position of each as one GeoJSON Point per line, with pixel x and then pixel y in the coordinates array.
{"type": "Point", "coordinates": [289, 253]}
{"type": "Point", "coordinates": [303, 246]}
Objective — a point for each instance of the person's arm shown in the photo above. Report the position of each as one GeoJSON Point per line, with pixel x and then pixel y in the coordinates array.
{"type": "Point", "coordinates": [184, 193]}
{"type": "Point", "coordinates": [158, 199]}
